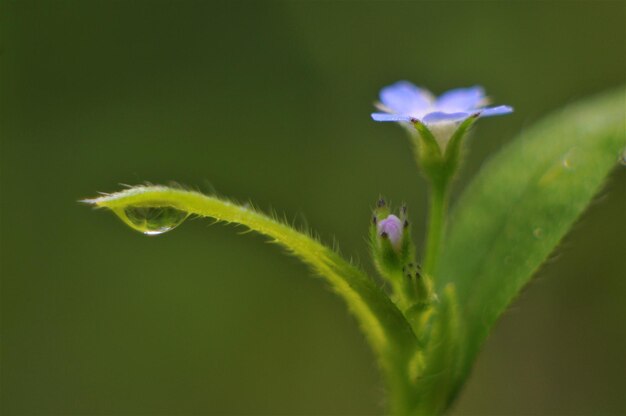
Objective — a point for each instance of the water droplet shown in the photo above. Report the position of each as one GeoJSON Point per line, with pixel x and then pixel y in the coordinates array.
{"type": "Point", "coordinates": [569, 158]}
{"type": "Point", "coordinates": [152, 220]}
{"type": "Point", "coordinates": [566, 163]}
{"type": "Point", "coordinates": [538, 233]}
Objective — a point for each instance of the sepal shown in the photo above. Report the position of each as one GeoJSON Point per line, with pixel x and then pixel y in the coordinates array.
{"type": "Point", "coordinates": [439, 156]}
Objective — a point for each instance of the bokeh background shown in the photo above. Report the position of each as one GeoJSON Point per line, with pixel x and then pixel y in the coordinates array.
{"type": "Point", "coordinates": [270, 103]}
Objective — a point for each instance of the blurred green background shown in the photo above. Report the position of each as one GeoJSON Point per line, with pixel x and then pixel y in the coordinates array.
{"type": "Point", "coordinates": [270, 103]}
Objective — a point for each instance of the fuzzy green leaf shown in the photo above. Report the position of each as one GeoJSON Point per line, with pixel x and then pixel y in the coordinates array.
{"type": "Point", "coordinates": [520, 206]}
{"type": "Point", "coordinates": [156, 207]}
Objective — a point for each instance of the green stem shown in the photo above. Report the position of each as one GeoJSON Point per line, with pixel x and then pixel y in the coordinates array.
{"type": "Point", "coordinates": [436, 225]}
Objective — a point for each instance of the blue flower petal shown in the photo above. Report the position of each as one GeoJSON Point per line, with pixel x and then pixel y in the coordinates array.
{"type": "Point", "coordinates": [404, 97]}
{"type": "Point", "coordinates": [496, 111]}
{"type": "Point", "coordinates": [390, 117]}
{"type": "Point", "coordinates": [438, 116]}
{"type": "Point", "coordinates": [460, 99]}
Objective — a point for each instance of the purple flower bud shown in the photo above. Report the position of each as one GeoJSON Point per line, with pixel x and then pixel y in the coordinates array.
{"type": "Point", "coordinates": [391, 227]}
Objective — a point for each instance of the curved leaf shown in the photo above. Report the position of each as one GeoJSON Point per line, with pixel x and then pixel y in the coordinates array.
{"type": "Point", "coordinates": [386, 328]}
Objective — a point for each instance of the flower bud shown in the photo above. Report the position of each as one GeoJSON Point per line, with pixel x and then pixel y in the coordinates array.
{"type": "Point", "coordinates": [390, 240]}
{"type": "Point", "coordinates": [393, 253]}
{"type": "Point", "coordinates": [391, 228]}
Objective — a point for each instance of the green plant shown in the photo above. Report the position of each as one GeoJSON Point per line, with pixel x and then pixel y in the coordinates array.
{"type": "Point", "coordinates": [427, 332]}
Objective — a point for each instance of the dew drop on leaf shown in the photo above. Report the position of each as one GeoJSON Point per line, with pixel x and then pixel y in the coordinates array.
{"type": "Point", "coordinates": [152, 220]}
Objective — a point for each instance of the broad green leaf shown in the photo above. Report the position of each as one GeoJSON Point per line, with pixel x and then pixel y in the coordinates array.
{"type": "Point", "coordinates": [520, 206]}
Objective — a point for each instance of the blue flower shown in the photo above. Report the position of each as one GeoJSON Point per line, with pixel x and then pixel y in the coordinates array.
{"type": "Point", "coordinates": [406, 102]}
